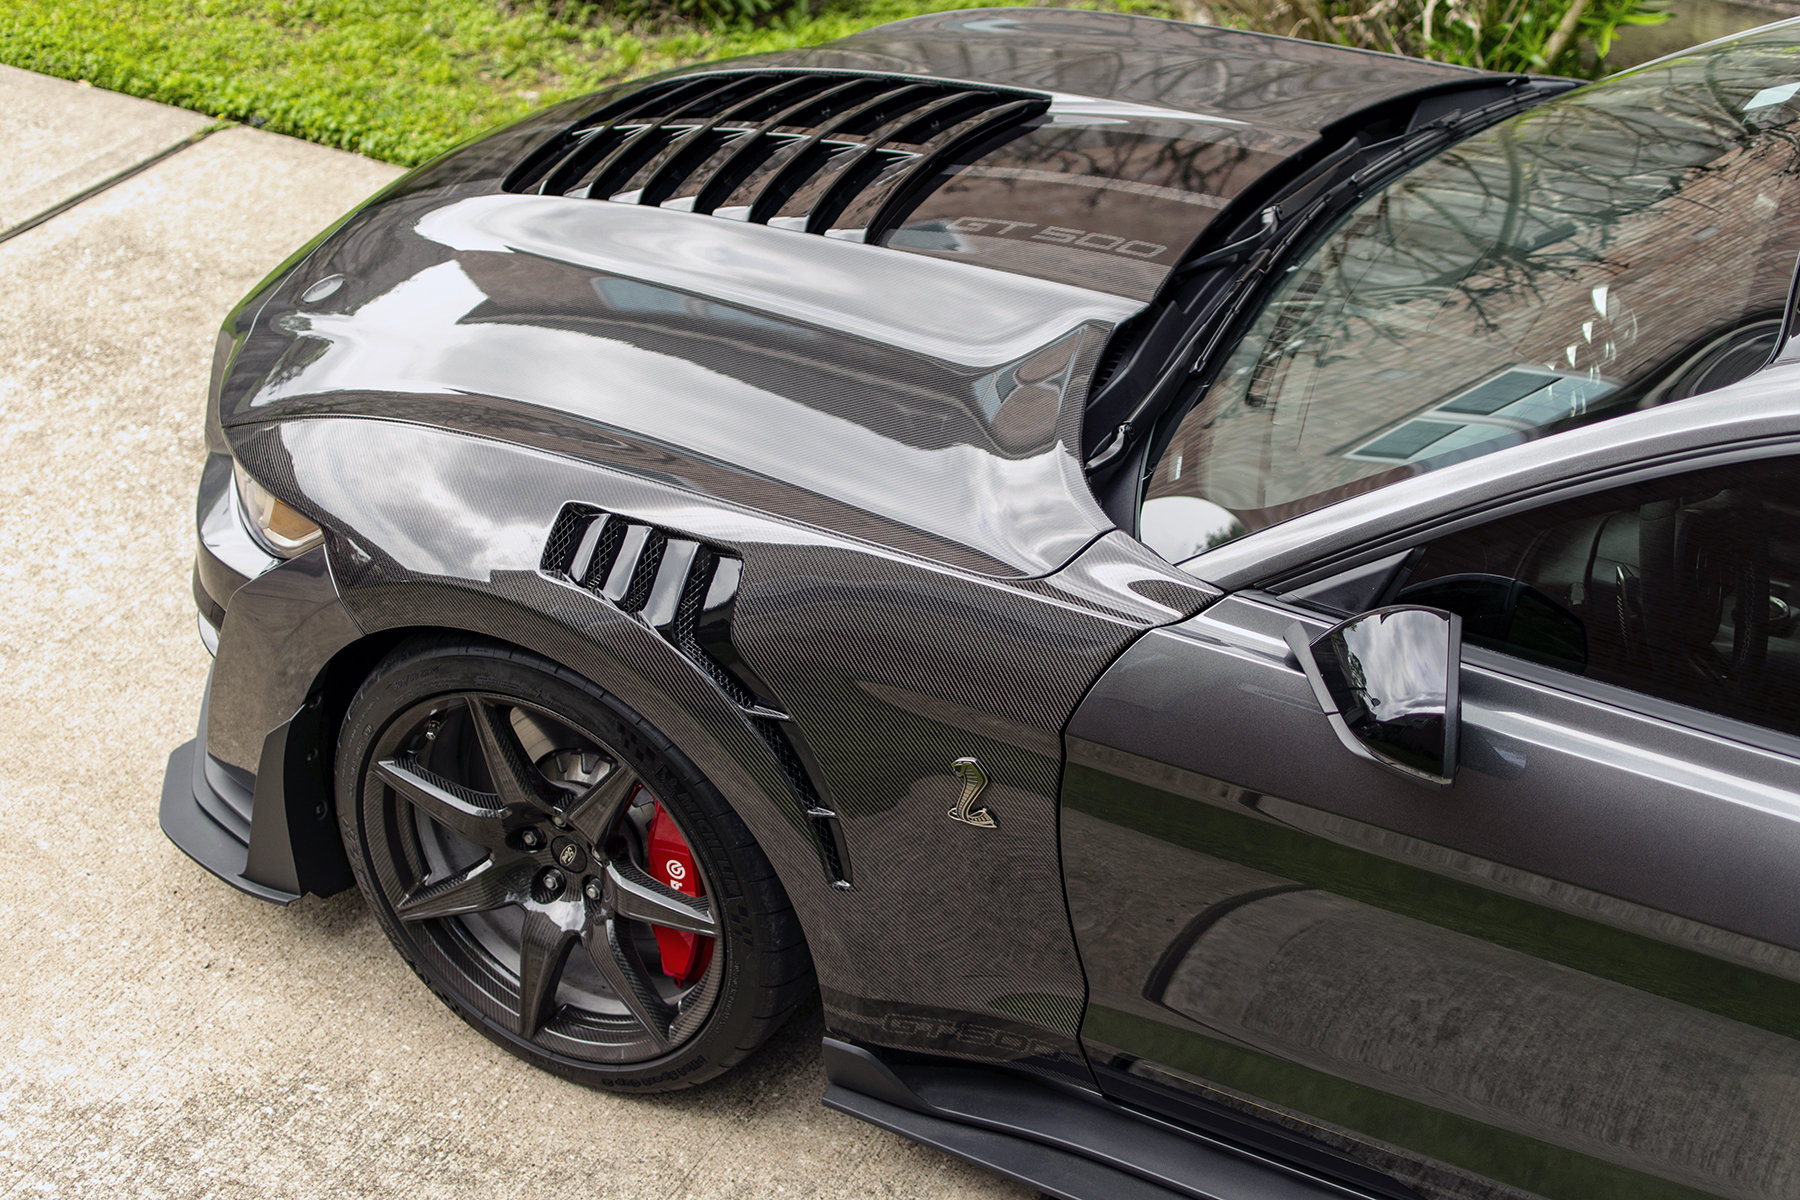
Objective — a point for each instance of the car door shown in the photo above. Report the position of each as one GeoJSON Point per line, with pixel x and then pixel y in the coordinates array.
{"type": "Point", "coordinates": [1575, 972]}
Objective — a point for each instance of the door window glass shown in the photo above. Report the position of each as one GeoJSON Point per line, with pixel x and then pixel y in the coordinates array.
{"type": "Point", "coordinates": [1684, 587]}
{"type": "Point", "coordinates": [1628, 244]}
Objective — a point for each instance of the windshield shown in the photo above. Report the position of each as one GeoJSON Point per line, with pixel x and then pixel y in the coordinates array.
{"type": "Point", "coordinates": [1629, 244]}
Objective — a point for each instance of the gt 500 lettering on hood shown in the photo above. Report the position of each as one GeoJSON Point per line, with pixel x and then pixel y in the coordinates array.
{"type": "Point", "coordinates": [1111, 207]}
{"type": "Point", "coordinates": [1081, 239]}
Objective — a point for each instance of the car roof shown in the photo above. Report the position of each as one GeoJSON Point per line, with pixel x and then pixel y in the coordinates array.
{"type": "Point", "coordinates": [1761, 411]}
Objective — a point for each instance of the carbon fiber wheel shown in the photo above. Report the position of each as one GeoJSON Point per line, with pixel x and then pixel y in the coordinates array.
{"type": "Point", "coordinates": [559, 873]}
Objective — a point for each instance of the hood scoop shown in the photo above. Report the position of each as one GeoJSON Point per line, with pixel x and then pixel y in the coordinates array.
{"type": "Point", "coordinates": [835, 153]}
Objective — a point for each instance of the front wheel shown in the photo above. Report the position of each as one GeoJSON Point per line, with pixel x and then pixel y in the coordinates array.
{"type": "Point", "coordinates": [559, 873]}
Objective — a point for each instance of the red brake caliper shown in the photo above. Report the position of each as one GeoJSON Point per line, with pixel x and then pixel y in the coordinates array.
{"type": "Point", "coordinates": [684, 955]}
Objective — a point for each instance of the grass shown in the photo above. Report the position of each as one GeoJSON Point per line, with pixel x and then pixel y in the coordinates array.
{"type": "Point", "coordinates": [402, 80]}
{"type": "Point", "coordinates": [398, 80]}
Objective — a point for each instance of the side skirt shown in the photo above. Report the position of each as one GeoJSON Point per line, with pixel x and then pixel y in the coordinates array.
{"type": "Point", "coordinates": [1068, 1147]}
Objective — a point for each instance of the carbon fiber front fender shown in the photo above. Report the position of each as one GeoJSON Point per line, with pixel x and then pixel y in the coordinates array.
{"type": "Point", "coordinates": [953, 939]}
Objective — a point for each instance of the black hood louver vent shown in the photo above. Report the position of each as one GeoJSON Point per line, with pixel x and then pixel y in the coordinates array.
{"type": "Point", "coordinates": [687, 590]}
{"type": "Point", "coordinates": [816, 151]}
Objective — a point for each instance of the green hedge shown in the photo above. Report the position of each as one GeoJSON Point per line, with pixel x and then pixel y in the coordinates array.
{"type": "Point", "coordinates": [1560, 37]}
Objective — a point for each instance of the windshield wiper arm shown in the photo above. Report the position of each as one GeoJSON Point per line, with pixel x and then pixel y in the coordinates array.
{"type": "Point", "coordinates": [1265, 244]}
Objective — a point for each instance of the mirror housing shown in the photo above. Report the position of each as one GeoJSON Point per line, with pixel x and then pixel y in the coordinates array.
{"type": "Point", "coordinates": [1388, 681]}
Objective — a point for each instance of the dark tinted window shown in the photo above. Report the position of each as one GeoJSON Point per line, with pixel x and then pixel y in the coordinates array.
{"type": "Point", "coordinates": [1628, 244]}
{"type": "Point", "coordinates": [1685, 588]}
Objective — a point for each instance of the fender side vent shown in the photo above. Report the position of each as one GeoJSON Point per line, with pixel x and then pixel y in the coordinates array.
{"type": "Point", "coordinates": [687, 590]}
{"type": "Point", "coordinates": [832, 152]}
{"type": "Point", "coordinates": [559, 548]}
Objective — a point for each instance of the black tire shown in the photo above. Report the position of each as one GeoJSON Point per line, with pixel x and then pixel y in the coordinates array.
{"type": "Point", "coordinates": [523, 897]}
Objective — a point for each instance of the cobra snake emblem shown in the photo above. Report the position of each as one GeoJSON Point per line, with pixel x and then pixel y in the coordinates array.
{"type": "Point", "coordinates": [974, 780]}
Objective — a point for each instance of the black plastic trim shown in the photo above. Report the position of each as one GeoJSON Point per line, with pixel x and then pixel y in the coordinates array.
{"type": "Point", "coordinates": [586, 542]}
{"type": "Point", "coordinates": [918, 178]}
{"type": "Point", "coordinates": [1218, 304]}
{"type": "Point", "coordinates": [303, 852]}
{"type": "Point", "coordinates": [1053, 1172]}
{"type": "Point", "coordinates": [195, 833]}
{"type": "Point", "coordinates": [210, 609]}
{"type": "Point", "coordinates": [1069, 1146]}
{"type": "Point", "coordinates": [682, 122]}
{"type": "Point", "coordinates": [1166, 1105]}
{"type": "Point", "coordinates": [690, 152]}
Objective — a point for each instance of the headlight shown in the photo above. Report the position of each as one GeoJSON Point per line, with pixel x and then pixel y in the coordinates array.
{"type": "Point", "coordinates": [281, 530]}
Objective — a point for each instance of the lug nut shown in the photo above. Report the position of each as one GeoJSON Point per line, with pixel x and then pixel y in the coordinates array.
{"type": "Point", "coordinates": [551, 882]}
{"type": "Point", "coordinates": [532, 839]}
{"type": "Point", "coordinates": [559, 822]}
{"type": "Point", "coordinates": [594, 891]}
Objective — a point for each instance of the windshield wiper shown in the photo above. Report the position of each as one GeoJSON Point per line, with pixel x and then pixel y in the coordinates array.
{"type": "Point", "coordinates": [1275, 236]}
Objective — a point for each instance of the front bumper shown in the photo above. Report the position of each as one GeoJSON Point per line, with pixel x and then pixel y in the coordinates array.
{"type": "Point", "coordinates": [228, 557]}
{"type": "Point", "coordinates": [206, 813]}
{"type": "Point", "coordinates": [249, 798]}
{"type": "Point", "coordinates": [206, 805]}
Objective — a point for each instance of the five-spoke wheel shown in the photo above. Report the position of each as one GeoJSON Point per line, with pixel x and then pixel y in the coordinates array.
{"type": "Point", "coordinates": [541, 862]}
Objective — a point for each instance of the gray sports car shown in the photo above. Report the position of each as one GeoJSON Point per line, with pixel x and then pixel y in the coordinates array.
{"type": "Point", "coordinates": [1228, 602]}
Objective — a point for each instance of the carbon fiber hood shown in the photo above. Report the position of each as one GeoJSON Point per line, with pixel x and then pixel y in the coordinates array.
{"type": "Point", "coordinates": [1154, 128]}
{"type": "Point", "coordinates": [1280, 85]}
{"type": "Point", "coordinates": [919, 384]}
{"type": "Point", "coordinates": [937, 413]}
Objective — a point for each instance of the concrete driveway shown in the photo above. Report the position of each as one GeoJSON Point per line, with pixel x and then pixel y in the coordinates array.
{"type": "Point", "coordinates": [161, 1034]}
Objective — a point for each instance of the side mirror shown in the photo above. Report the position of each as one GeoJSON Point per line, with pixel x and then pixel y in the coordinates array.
{"type": "Point", "coordinates": [1387, 681]}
